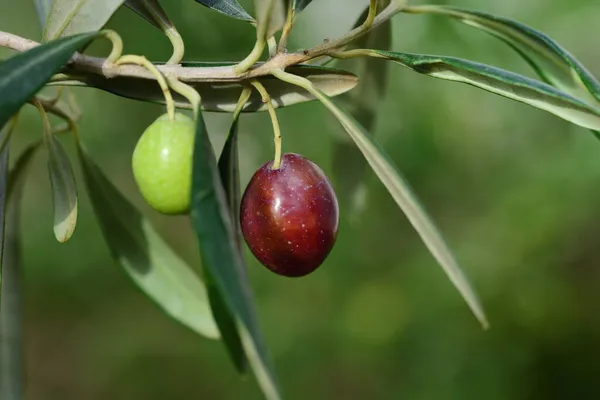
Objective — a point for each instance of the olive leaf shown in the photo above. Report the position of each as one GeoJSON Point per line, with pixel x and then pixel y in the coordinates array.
{"type": "Point", "coordinates": [24, 74]}
{"type": "Point", "coordinates": [229, 170]}
{"type": "Point", "coordinates": [300, 5]}
{"type": "Point", "coordinates": [400, 190]}
{"type": "Point", "coordinates": [4, 133]}
{"type": "Point", "coordinates": [11, 345]}
{"type": "Point", "coordinates": [69, 17]}
{"type": "Point", "coordinates": [42, 9]}
{"type": "Point", "coordinates": [553, 64]}
{"type": "Point", "coordinates": [230, 8]}
{"type": "Point", "coordinates": [222, 258]}
{"type": "Point", "coordinates": [64, 189]}
{"type": "Point", "coordinates": [223, 96]}
{"type": "Point", "coordinates": [270, 16]}
{"type": "Point", "coordinates": [495, 80]}
{"type": "Point", "coordinates": [363, 104]}
{"type": "Point", "coordinates": [151, 11]}
{"type": "Point", "coordinates": [145, 256]}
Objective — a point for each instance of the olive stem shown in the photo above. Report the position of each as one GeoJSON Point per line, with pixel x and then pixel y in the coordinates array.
{"type": "Point", "coordinates": [47, 128]}
{"type": "Point", "coordinates": [287, 28]}
{"type": "Point", "coordinates": [57, 96]}
{"type": "Point", "coordinates": [62, 129]}
{"type": "Point", "coordinates": [52, 109]}
{"type": "Point", "coordinates": [161, 19]}
{"type": "Point", "coordinates": [188, 92]}
{"type": "Point", "coordinates": [370, 16]}
{"type": "Point", "coordinates": [261, 41]}
{"type": "Point", "coordinates": [252, 58]}
{"type": "Point", "coordinates": [76, 114]}
{"type": "Point", "coordinates": [178, 46]}
{"type": "Point", "coordinates": [242, 100]}
{"type": "Point", "coordinates": [143, 61]}
{"type": "Point", "coordinates": [59, 112]}
{"type": "Point", "coordinates": [60, 78]}
{"type": "Point", "coordinates": [372, 21]}
{"type": "Point", "coordinates": [355, 53]}
{"type": "Point", "coordinates": [276, 130]}
{"type": "Point", "coordinates": [117, 45]}
{"type": "Point", "coordinates": [272, 43]}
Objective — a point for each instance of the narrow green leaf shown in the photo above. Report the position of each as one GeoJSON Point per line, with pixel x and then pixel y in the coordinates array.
{"type": "Point", "coordinates": [227, 325]}
{"type": "Point", "coordinates": [221, 256]}
{"type": "Point", "coordinates": [270, 15]}
{"type": "Point", "coordinates": [551, 61]}
{"type": "Point", "coordinates": [300, 5]}
{"type": "Point", "coordinates": [42, 9]}
{"type": "Point", "coordinates": [69, 17]}
{"type": "Point", "coordinates": [4, 133]}
{"type": "Point", "coordinates": [501, 82]}
{"type": "Point", "coordinates": [64, 189]}
{"type": "Point", "coordinates": [11, 331]}
{"type": "Point", "coordinates": [400, 190]}
{"type": "Point", "coordinates": [223, 96]}
{"type": "Point", "coordinates": [144, 7]}
{"type": "Point", "coordinates": [229, 168]}
{"type": "Point", "coordinates": [229, 171]}
{"type": "Point", "coordinates": [230, 8]}
{"type": "Point", "coordinates": [363, 103]}
{"type": "Point", "coordinates": [145, 256]}
{"type": "Point", "coordinates": [11, 336]}
{"type": "Point", "coordinates": [24, 74]}
{"type": "Point", "coordinates": [5, 137]}
{"type": "Point", "coordinates": [553, 64]}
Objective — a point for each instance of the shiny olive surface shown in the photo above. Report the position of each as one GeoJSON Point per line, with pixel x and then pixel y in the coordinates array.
{"type": "Point", "coordinates": [162, 163]}
{"type": "Point", "coordinates": [290, 216]}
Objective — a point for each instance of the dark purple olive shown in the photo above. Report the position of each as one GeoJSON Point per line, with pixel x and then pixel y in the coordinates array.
{"type": "Point", "coordinates": [289, 216]}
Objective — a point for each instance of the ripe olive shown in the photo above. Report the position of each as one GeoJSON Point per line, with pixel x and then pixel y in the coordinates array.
{"type": "Point", "coordinates": [162, 163]}
{"type": "Point", "coordinates": [289, 216]}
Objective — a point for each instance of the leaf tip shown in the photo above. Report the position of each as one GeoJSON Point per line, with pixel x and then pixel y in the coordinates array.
{"type": "Point", "coordinates": [63, 230]}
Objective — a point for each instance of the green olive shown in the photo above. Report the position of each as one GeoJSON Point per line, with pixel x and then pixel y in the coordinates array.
{"type": "Point", "coordinates": [162, 164]}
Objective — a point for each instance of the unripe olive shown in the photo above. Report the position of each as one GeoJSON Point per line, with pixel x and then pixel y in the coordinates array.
{"type": "Point", "coordinates": [162, 163]}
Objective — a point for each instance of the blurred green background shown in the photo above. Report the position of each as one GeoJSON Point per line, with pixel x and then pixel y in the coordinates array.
{"type": "Point", "coordinates": [512, 188]}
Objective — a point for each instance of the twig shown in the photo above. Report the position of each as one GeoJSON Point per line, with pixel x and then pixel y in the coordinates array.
{"type": "Point", "coordinates": [82, 64]}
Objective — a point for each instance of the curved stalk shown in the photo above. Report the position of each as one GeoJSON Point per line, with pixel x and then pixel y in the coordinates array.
{"type": "Point", "coordinates": [143, 61]}
{"type": "Point", "coordinates": [276, 129]}
{"type": "Point", "coordinates": [54, 109]}
{"type": "Point", "coordinates": [117, 44]}
{"type": "Point", "coordinates": [178, 45]}
{"type": "Point", "coordinates": [287, 28]}
{"type": "Point", "coordinates": [188, 92]}
{"type": "Point", "coordinates": [272, 44]}
{"type": "Point", "coordinates": [252, 58]}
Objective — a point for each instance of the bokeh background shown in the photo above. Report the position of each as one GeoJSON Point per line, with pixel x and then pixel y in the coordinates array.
{"type": "Point", "coordinates": [514, 189]}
